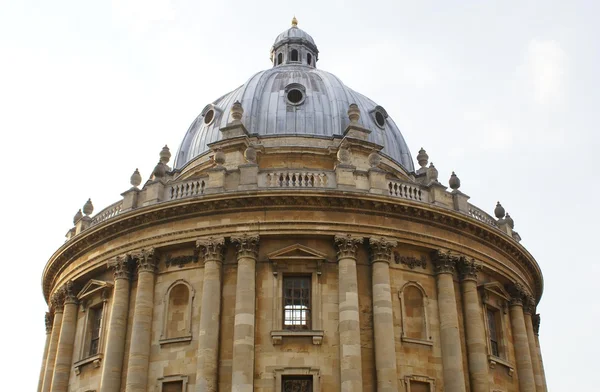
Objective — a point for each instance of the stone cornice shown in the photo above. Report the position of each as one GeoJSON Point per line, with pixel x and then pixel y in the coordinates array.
{"type": "Point", "coordinates": [299, 199]}
{"type": "Point", "coordinates": [347, 245]}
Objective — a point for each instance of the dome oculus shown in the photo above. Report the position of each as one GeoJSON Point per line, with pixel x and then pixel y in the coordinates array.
{"type": "Point", "coordinates": [294, 94]}
{"type": "Point", "coordinates": [209, 116]}
{"type": "Point", "coordinates": [379, 115]}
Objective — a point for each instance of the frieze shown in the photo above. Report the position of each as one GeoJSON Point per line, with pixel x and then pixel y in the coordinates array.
{"type": "Point", "coordinates": [410, 261]}
{"type": "Point", "coordinates": [347, 245]}
{"type": "Point", "coordinates": [168, 210]}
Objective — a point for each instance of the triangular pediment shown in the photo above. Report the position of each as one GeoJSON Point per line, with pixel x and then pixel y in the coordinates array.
{"type": "Point", "coordinates": [92, 287]}
{"type": "Point", "coordinates": [497, 289]}
{"type": "Point", "coordinates": [296, 252]}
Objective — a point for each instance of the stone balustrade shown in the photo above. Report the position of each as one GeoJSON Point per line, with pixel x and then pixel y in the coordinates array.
{"type": "Point", "coordinates": [407, 191]}
{"type": "Point", "coordinates": [107, 213]}
{"type": "Point", "coordinates": [190, 188]}
{"type": "Point", "coordinates": [297, 179]}
{"type": "Point", "coordinates": [481, 216]}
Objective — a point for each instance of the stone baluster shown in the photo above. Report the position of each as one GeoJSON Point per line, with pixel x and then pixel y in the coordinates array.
{"type": "Point", "coordinates": [519, 332]}
{"type": "Point", "coordinates": [210, 315]}
{"type": "Point", "coordinates": [452, 361]}
{"type": "Point", "coordinates": [58, 309]}
{"type": "Point", "coordinates": [64, 352]}
{"type": "Point", "coordinates": [110, 380]}
{"type": "Point", "coordinates": [536, 331]}
{"type": "Point", "coordinates": [383, 322]}
{"type": "Point", "coordinates": [528, 310]}
{"type": "Point", "coordinates": [349, 323]}
{"type": "Point", "coordinates": [139, 349]}
{"type": "Point", "coordinates": [243, 330]}
{"type": "Point", "coordinates": [48, 322]}
{"type": "Point", "coordinates": [475, 329]}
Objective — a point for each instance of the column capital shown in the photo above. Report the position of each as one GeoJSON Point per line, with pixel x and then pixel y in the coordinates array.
{"type": "Point", "coordinates": [347, 245]}
{"type": "Point", "coordinates": [517, 294]}
{"type": "Point", "coordinates": [145, 260]}
{"type": "Point", "coordinates": [120, 266]}
{"type": "Point", "coordinates": [247, 245]}
{"type": "Point", "coordinates": [381, 249]}
{"type": "Point", "coordinates": [212, 248]}
{"type": "Point", "coordinates": [529, 304]}
{"type": "Point", "coordinates": [57, 301]}
{"type": "Point", "coordinates": [48, 320]}
{"type": "Point", "coordinates": [535, 319]}
{"type": "Point", "coordinates": [468, 268]}
{"type": "Point", "coordinates": [444, 262]}
{"type": "Point", "coordinates": [68, 293]}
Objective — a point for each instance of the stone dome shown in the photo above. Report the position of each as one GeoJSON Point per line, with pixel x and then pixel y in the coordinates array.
{"type": "Point", "coordinates": [294, 98]}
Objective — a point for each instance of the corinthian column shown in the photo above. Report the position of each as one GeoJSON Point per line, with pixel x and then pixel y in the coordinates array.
{"type": "Point", "coordinates": [517, 321]}
{"type": "Point", "coordinates": [110, 380]}
{"type": "Point", "coordinates": [139, 348]}
{"type": "Point", "coordinates": [210, 315]}
{"type": "Point", "coordinates": [349, 323]}
{"type": "Point", "coordinates": [48, 322]}
{"type": "Point", "coordinates": [454, 374]}
{"type": "Point", "coordinates": [475, 330]}
{"type": "Point", "coordinates": [58, 309]}
{"type": "Point", "coordinates": [383, 322]}
{"type": "Point", "coordinates": [538, 352]}
{"type": "Point", "coordinates": [64, 352]}
{"type": "Point", "coordinates": [528, 309]}
{"type": "Point", "coordinates": [243, 329]}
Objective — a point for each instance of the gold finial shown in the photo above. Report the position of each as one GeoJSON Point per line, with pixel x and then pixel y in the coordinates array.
{"type": "Point", "coordinates": [294, 21]}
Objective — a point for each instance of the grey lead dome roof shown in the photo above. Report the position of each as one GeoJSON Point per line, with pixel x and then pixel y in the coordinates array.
{"type": "Point", "coordinates": [322, 110]}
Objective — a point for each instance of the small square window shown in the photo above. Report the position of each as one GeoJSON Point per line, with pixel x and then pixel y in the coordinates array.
{"type": "Point", "coordinates": [296, 302]}
{"type": "Point", "coordinates": [297, 383]}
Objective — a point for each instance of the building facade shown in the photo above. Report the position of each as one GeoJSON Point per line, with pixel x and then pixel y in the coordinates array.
{"type": "Point", "coordinates": [293, 246]}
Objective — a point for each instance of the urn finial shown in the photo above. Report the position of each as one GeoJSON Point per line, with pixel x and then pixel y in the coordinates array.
{"type": "Point", "coordinates": [510, 221]}
{"type": "Point", "coordinates": [165, 155]}
{"type": "Point", "coordinates": [432, 173]}
{"type": "Point", "coordinates": [136, 179]}
{"type": "Point", "coordinates": [88, 207]}
{"type": "Point", "coordinates": [159, 170]}
{"type": "Point", "coordinates": [353, 113]}
{"type": "Point", "coordinates": [454, 181]}
{"type": "Point", "coordinates": [237, 111]}
{"type": "Point", "coordinates": [77, 217]}
{"type": "Point", "coordinates": [422, 158]}
{"type": "Point", "coordinates": [499, 211]}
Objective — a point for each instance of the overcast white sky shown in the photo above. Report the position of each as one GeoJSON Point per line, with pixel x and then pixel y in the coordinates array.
{"type": "Point", "coordinates": [505, 93]}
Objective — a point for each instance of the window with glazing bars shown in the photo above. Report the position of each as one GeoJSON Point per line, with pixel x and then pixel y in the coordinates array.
{"type": "Point", "coordinates": [492, 326]}
{"type": "Point", "coordinates": [297, 384]}
{"type": "Point", "coordinates": [296, 302]}
{"type": "Point", "coordinates": [95, 323]}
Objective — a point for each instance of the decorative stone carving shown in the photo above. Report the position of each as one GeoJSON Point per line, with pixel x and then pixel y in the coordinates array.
{"type": "Point", "coordinates": [181, 260]}
{"type": "Point", "coordinates": [529, 304]}
{"type": "Point", "coordinates": [77, 217]}
{"type": "Point", "coordinates": [57, 301]}
{"type": "Point", "coordinates": [374, 159]}
{"type": "Point", "coordinates": [237, 111]}
{"type": "Point", "coordinates": [422, 158]}
{"type": "Point", "coordinates": [160, 170]}
{"type": "Point", "coordinates": [48, 320]}
{"type": "Point", "coordinates": [136, 178]}
{"type": "Point", "coordinates": [212, 248]}
{"type": "Point", "coordinates": [247, 245]}
{"type": "Point", "coordinates": [499, 211]}
{"type": "Point", "coordinates": [250, 154]}
{"type": "Point", "coordinates": [454, 182]}
{"type": "Point", "coordinates": [432, 173]}
{"type": "Point", "coordinates": [347, 245]}
{"type": "Point", "coordinates": [535, 319]}
{"type": "Point", "coordinates": [145, 260]}
{"type": "Point", "coordinates": [88, 207]}
{"type": "Point", "coordinates": [468, 268]}
{"type": "Point", "coordinates": [165, 155]}
{"type": "Point", "coordinates": [381, 249]}
{"type": "Point", "coordinates": [219, 157]}
{"type": "Point", "coordinates": [120, 267]}
{"type": "Point", "coordinates": [353, 113]}
{"type": "Point", "coordinates": [411, 261]}
{"type": "Point", "coordinates": [70, 297]}
{"type": "Point", "coordinates": [444, 262]}
{"type": "Point", "coordinates": [517, 293]}
{"type": "Point", "coordinates": [344, 155]}
{"type": "Point", "coordinates": [510, 221]}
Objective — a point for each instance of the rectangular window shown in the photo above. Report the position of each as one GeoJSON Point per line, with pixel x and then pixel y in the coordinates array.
{"type": "Point", "coordinates": [420, 386]}
{"type": "Point", "coordinates": [296, 302]}
{"type": "Point", "coordinates": [493, 328]}
{"type": "Point", "coordinates": [172, 386]}
{"type": "Point", "coordinates": [95, 324]}
{"type": "Point", "coordinates": [297, 384]}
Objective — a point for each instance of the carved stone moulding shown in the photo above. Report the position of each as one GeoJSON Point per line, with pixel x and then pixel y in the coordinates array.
{"type": "Point", "coordinates": [410, 261]}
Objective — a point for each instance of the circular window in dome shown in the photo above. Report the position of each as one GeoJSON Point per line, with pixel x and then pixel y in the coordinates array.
{"type": "Point", "coordinates": [380, 119]}
{"type": "Point", "coordinates": [295, 96]}
{"type": "Point", "coordinates": [209, 116]}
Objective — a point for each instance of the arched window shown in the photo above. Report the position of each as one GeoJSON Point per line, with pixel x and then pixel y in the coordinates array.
{"type": "Point", "coordinates": [414, 314]}
{"type": "Point", "coordinates": [279, 58]}
{"type": "Point", "coordinates": [294, 55]}
{"type": "Point", "coordinates": [177, 324]}
{"type": "Point", "coordinates": [309, 59]}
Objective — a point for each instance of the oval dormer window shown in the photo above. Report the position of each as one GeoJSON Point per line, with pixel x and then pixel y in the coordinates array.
{"type": "Point", "coordinates": [380, 119]}
{"type": "Point", "coordinates": [209, 116]}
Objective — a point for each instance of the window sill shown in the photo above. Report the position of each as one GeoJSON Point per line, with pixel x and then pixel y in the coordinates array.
{"type": "Point", "coordinates": [493, 360]}
{"type": "Point", "coordinates": [277, 336]}
{"type": "Point", "coordinates": [95, 359]}
{"type": "Point", "coordinates": [417, 341]}
{"type": "Point", "coordinates": [179, 339]}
